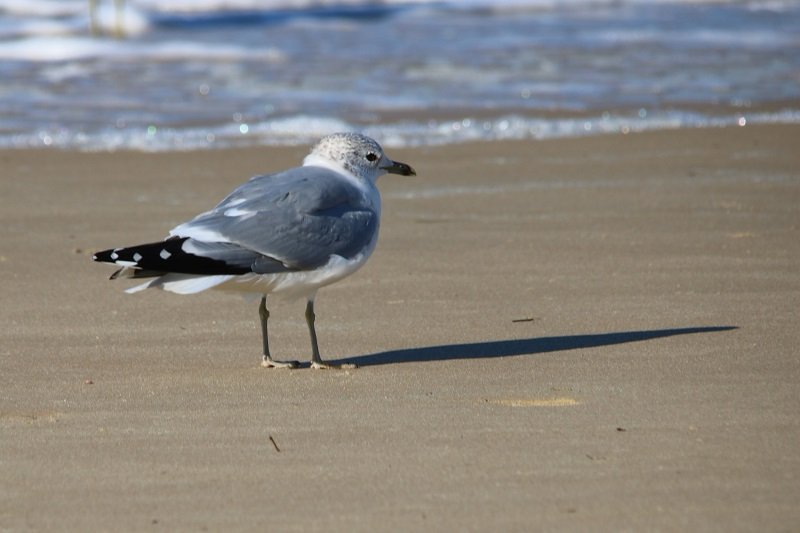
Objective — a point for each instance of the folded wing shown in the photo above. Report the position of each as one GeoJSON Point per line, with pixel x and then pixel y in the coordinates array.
{"type": "Point", "coordinates": [291, 221]}
{"type": "Point", "coordinates": [299, 217]}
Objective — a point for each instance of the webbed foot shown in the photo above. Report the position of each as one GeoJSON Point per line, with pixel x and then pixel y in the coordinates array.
{"type": "Point", "coordinates": [269, 362]}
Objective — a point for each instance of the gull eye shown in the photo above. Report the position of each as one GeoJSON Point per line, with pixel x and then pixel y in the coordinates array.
{"type": "Point", "coordinates": [372, 156]}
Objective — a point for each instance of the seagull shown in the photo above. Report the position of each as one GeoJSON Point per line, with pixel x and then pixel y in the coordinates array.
{"type": "Point", "coordinates": [288, 233]}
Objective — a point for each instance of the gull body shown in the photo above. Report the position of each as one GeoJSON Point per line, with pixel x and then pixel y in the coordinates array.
{"type": "Point", "coordinates": [289, 233]}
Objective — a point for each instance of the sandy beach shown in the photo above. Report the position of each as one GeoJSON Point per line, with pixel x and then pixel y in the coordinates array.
{"type": "Point", "coordinates": [565, 335]}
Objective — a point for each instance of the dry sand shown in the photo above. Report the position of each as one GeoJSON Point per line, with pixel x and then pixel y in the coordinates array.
{"type": "Point", "coordinates": [591, 334]}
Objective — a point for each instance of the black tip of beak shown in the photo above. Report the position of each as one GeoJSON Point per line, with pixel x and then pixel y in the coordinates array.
{"type": "Point", "coordinates": [400, 168]}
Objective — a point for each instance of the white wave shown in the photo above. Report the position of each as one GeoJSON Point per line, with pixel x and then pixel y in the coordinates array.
{"type": "Point", "coordinates": [304, 129]}
{"type": "Point", "coordinates": [66, 48]}
{"type": "Point", "coordinates": [210, 6]}
{"type": "Point", "coordinates": [43, 8]}
{"type": "Point", "coordinates": [680, 38]}
{"type": "Point", "coordinates": [301, 126]}
{"type": "Point", "coordinates": [26, 27]}
{"type": "Point", "coordinates": [56, 48]}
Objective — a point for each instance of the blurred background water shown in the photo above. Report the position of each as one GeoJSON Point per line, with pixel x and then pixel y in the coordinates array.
{"type": "Point", "coordinates": [189, 74]}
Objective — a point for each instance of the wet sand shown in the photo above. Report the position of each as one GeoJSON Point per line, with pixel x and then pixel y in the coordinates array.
{"type": "Point", "coordinates": [588, 334]}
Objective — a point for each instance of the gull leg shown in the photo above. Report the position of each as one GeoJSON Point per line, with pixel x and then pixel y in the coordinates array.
{"type": "Point", "coordinates": [268, 361]}
{"type": "Point", "coordinates": [316, 360]}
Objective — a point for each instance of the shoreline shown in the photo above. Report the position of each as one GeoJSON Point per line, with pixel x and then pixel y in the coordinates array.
{"type": "Point", "coordinates": [410, 129]}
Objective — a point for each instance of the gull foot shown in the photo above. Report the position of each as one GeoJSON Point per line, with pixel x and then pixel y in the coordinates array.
{"type": "Point", "coordinates": [326, 366]}
{"type": "Point", "coordinates": [269, 362]}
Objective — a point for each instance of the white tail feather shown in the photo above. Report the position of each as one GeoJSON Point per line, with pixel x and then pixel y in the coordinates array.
{"type": "Point", "coordinates": [182, 283]}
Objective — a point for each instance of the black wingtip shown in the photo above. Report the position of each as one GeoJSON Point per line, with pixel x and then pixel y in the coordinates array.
{"type": "Point", "coordinates": [157, 258]}
{"type": "Point", "coordinates": [104, 256]}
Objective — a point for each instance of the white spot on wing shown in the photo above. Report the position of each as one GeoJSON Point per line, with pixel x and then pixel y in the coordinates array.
{"type": "Point", "coordinates": [137, 257]}
{"type": "Point", "coordinates": [191, 248]}
{"type": "Point", "coordinates": [114, 256]}
{"type": "Point", "coordinates": [235, 212]}
{"type": "Point", "coordinates": [199, 233]}
{"type": "Point", "coordinates": [165, 255]}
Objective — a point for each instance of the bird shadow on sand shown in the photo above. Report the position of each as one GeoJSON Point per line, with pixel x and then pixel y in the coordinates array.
{"type": "Point", "coordinates": [489, 349]}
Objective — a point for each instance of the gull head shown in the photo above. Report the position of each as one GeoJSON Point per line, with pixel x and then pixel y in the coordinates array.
{"type": "Point", "coordinates": [357, 154]}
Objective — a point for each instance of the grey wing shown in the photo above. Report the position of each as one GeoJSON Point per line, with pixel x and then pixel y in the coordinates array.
{"type": "Point", "coordinates": [298, 218]}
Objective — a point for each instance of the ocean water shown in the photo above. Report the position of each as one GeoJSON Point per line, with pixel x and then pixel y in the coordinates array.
{"type": "Point", "coordinates": [201, 74]}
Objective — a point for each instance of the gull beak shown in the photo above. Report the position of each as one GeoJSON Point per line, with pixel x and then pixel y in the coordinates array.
{"type": "Point", "coordinates": [396, 167]}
